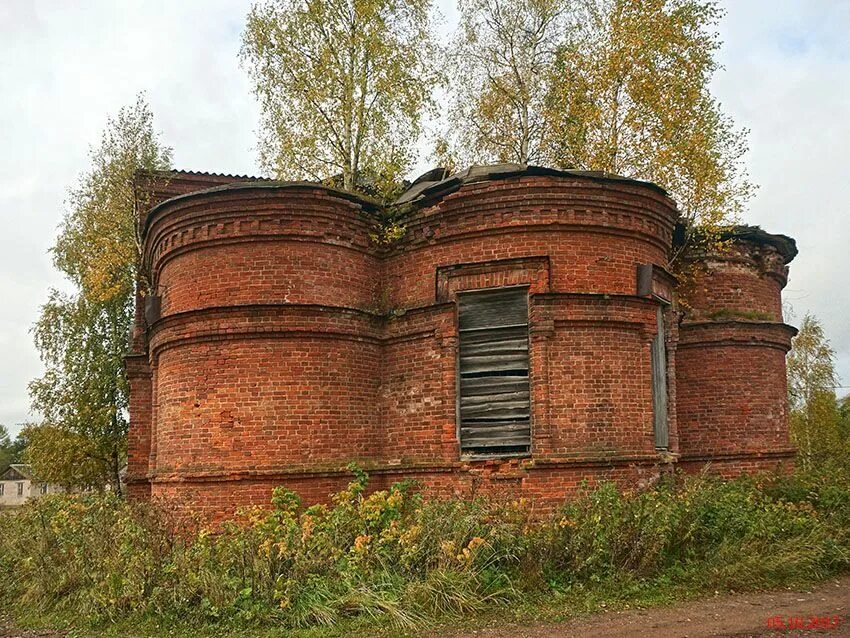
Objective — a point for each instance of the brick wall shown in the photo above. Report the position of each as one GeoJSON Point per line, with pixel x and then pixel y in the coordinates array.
{"type": "Point", "coordinates": [730, 364]}
{"type": "Point", "coordinates": [290, 343]}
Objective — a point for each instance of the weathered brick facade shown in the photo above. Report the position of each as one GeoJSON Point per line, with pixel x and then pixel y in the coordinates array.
{"type": "Point", "coordinates": [731, 357]}
{"type": "Point", "coordinates": [280, 341]}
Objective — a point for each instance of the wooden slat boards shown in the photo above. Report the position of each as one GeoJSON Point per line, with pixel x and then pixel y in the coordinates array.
{"type": "Point", "coordinates": [494, 405]}
{"type": "Point", "coordinates": [659, 384]}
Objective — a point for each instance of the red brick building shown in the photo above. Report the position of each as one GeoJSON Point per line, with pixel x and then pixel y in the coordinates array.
{"type": "Point", "coordinates": [522, 334]}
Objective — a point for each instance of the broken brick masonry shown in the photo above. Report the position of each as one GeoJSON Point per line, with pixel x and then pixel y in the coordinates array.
{"type": "Point", "coordinates": [281, 340]}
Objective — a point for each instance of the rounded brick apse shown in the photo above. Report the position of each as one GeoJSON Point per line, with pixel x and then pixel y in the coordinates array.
{"type": "Point", "coordinates": [730, 364]}
{"type": "Point", "coordinates": [522, 336]}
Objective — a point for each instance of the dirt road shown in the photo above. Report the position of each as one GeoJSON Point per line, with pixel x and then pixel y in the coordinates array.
{"type": "Point", "coordinates": [770, 614]}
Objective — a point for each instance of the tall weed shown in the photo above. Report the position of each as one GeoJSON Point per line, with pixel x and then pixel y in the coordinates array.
{"type": "Point", "coordinates": [396, 558]}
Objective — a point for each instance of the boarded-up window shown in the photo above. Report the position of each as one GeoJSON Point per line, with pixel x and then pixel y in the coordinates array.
{"type": "Point", "coordinates": [493, 395]}
{"type": "Point", "coordinates": [659, 384]}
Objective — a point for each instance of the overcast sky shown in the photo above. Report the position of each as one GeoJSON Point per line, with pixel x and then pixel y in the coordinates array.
{"type": "Point", "coordinates": [64, 66]}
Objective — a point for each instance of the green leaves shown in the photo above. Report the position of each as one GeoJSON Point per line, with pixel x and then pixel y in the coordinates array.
{"type": "Point", "coordinates": [342, 85]}
{"type": "Point", "coordinates": [620, 86]}
{"type": "Point", "coordinates": [631, 96]}
{"type": "Point", "coordinates": [819, 428]}
{"type": "Point", "coordinates": [82, 335]}
{"type": "Point", "coordinates": [99, 245]}
{"type": "Point", "coordinates": [8, 450]}
{"type": "Point", "coordinates": [392, 557]}
{"type": "Point", "coordinates": [500, 66]}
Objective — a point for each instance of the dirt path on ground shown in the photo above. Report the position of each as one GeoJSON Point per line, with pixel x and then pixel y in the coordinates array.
{"type": "Point", "coordinates": [8, 631]}
{"type": "Point", "coordinates": [730, 616]}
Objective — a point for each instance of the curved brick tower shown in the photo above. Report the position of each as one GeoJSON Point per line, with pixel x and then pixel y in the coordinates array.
{"type": "Point", "coordinates": [730, 361]}
{"type": "Point", "coordinates": [262, 343]}
{"type": "Point", "coordinates": [518, 337]}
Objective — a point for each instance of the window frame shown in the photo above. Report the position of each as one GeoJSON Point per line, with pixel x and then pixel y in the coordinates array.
{"type": "Point", "coordinates": [659, 373]}
{"type": "Point", "coordinates": [504, 454]}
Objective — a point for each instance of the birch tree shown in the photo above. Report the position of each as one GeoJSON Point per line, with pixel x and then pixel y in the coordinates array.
{"type": "Point", "coordinates": [815, 415]}
{"type": "Point", "coordinates": [99, 242]}
{"type": "Point", "coordinates": [342, 85]}
{"type": "Point", "coordinates": [81, 334]}
{"type": "Point", "coordinates": [631, 96]}
{"type": "Point", "coordinates": [501, 61]}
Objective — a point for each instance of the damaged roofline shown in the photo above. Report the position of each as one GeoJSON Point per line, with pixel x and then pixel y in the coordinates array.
{"type": "Point", "coordinates": [425, 191]}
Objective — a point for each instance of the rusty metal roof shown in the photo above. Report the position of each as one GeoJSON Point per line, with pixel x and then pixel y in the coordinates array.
{"type": "Point", "coordinates": [177, 172]}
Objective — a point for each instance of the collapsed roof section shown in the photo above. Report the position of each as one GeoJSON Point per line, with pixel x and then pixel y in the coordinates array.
{"type": "Point", "coordinates": [425, 190]}
{"type": "Point", "coordinates": [437, 183]}
{"type": "Point", "coordinates": [784, 245]}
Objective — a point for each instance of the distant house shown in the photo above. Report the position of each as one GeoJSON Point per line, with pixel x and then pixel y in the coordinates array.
{"type": "Point", "coordinates": [17, 485]}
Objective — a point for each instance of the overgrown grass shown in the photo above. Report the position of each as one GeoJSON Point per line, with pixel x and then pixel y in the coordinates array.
{"type": "Point", "coordinates": [395, 560]}
{"type": "Point", "coordinates": [746, 315]}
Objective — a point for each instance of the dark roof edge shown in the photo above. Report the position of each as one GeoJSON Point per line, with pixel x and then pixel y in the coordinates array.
{"type": "Point", "coordinates": [425, 192]}
{"type": "Point", "coordinates": [263, 184]}
{"type": "Point", "coordinates": [783, 244]}
{"type": "Point", "coordinates": [23, 469]}
{"type": "Point", "coordinates": [176, 172]}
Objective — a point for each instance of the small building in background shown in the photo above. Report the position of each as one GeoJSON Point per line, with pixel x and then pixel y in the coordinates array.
{"type": "Point", "coordinates": [17, 485]}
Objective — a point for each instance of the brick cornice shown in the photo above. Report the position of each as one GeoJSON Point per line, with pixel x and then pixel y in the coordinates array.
{"type": "Point", "coordinates": [186, 225]}
{"type": "Point", "coordinates": [540, 203]}
{"type": "Point", "coordinates": [260, 321]}
{"type": "Point", "coordinates": [734, 332]}
{"type": "Point", "coordinates": [244, 189]}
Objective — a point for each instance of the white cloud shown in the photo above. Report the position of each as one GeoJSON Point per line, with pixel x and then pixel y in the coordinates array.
{"type": "Point", "coordinates": [64, 66]}
{"type": "Point", "coordinates": [786, 79]}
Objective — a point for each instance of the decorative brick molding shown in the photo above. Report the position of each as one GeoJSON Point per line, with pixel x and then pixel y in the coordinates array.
{"type": "Point", "coordinates": [530, 271]}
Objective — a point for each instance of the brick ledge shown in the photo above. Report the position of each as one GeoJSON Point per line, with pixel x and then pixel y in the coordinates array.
{"type": "Point", "coordinates": [496, 466]}
{"type": "Point", "coordinates": [782, 453]}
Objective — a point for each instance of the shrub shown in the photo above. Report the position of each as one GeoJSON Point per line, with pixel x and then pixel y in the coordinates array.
{"type": "Point", "coordinates": [397, 558]}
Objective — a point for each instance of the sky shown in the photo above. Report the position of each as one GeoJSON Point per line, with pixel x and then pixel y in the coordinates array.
{"type": "Point", "coordinates": [66, 66]}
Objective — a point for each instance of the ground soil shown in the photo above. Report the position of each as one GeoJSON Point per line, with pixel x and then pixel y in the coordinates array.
{"type": "Point", "coordinates": [8, 631]}
{"type": "Point", "coordinates": [728, 615]}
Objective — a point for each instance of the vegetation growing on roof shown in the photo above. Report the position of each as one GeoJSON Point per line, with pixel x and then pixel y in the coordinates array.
{"type": "Point", "coordinates": [746, 315]}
